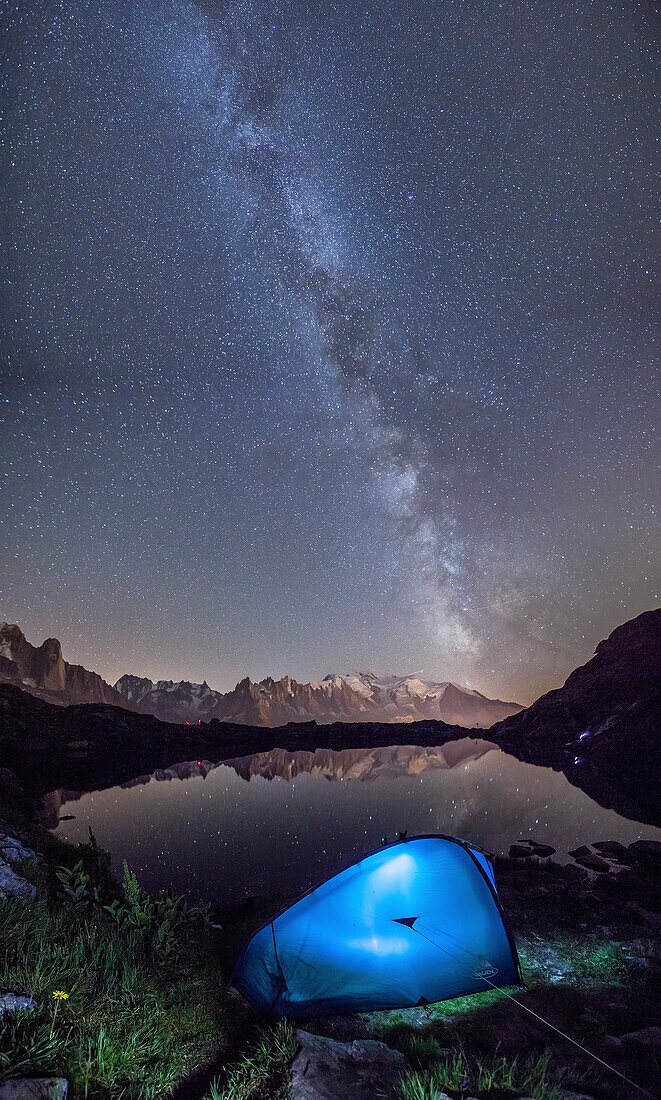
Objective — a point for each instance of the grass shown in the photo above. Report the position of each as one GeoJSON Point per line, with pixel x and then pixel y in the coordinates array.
{"type": "Point", "coordinates": [453, 1051]}
{"type": "Point", "coordinates": [438, 1067]}
{"type": "Point", "coordinates": [454, 1070]}
{"type": "Point", "coordinates": [146, 1014]}
{"type": "Point", "coordinates": [581, 961]}
{"type": "Point", "coordinates": [132, 1025]}
{"type": "Point", "coordinates": [263, 1072]}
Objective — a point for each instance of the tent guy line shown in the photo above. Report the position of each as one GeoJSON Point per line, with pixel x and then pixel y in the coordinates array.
{"type": "Point", "coordinates": [410, 923]}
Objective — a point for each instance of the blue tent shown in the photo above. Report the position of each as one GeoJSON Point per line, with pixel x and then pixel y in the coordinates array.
{"type": "Point", "coordinates": [414, 922]}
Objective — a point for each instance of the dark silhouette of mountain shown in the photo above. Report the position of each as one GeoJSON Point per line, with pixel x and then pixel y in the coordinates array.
{"type": "Point", "coordinates": [603, 726]}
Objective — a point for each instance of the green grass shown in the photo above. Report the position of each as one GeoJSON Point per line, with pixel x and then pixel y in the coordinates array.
{"type": "Point", "coordinates": [453, 1046]}
{"type": "Point", "coordinates": [470, 1076]}
{"type": "Point", "coordinates": [573, 961]}
{"type": "Point", "coordinates": [262, 1073]}
{"type": "Point", "coordinates": [132, 1025]}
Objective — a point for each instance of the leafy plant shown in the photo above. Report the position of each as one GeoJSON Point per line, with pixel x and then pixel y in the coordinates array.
{"type": "Point", "coordinates": [166, 917]}
{"type": "Point", "coordinates": [128, 1028]}
{"type": "Point", "coordinates": [76, 886]}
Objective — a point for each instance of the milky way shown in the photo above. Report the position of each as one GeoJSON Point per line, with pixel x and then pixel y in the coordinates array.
{"type": "Point", "coordinates": [330, 336]}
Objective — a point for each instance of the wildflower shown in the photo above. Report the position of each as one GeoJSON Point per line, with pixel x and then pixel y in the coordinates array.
{"type": "Point", "coordinates": [60, 995]}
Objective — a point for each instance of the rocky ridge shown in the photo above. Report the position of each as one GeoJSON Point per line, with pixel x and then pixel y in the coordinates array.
{"type": "Point", "coordinates": [43, 672]}
{"type": "Point", "coordinates": [354, 697]}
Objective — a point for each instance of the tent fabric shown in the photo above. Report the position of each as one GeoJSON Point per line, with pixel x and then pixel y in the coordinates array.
{"type": "Point", "coordinates": [415, 922]}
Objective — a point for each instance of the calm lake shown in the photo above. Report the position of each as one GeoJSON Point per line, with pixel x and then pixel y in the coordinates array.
{"type": "Point", "coordinates": [277, 823]}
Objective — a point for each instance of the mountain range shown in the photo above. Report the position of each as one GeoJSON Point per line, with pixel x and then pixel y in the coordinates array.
{"type": "Point", "coordinates": [355, 697]}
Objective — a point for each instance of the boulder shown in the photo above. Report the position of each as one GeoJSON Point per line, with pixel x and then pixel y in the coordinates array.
{"type": "Point", "coordinates": [594, 863]}
{"type": "Point", "coordinates": [13, 851]}
{"type": "Point", "coordinates": [645, 849]}
{"type": "Point", "coordinates": [34, 1088]}
{"type": "Point", "coordinates": [13, 885]}
{"type": "Point", "coordinates": [540, 846]}
{"type": "Point", "coordinates": [609, 847]}
{"type": "Point", "coordinates": [518, 851]}
{"type": "Point", "coordinates": [325, 1069]}
{"type": "Point", "coordinates": [542, 851]}
{"type": "Point", "coordinates": [16, 1002]}
{"type": "Point", "coordinates": [582, 850]}
{"type": "Point", "coordinates": [566, 1094]}
{"type": "Point", "coordinates": [648, 1038]}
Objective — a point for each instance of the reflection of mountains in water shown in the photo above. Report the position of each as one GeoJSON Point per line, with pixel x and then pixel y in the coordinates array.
{"type": "Point", "coordinates": [364, 764]}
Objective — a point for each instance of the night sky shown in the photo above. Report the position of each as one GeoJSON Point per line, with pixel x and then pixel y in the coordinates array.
{"type": "Point", "coordinates": [329, 335]}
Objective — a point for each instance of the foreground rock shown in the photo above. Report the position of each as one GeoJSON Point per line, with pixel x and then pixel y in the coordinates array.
{"type": "Point", "coordinates": [594, 863]}
{"type": "Point", "coordinates": [648, 1038]}
{"type": "Point", "coordinates": [16, 1002]}
{"type": "Point", "coordinates": [34, 1088]}
{"type": "Point", "coordinates": [13, 885]}
{"type": "Point", "coordinates": [13, 850]}
{"type": "Point", "coordinates": [325, 1069]}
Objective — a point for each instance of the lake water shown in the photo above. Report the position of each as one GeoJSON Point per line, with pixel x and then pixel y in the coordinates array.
{"type": "Point", "coordinates": [277, 823]}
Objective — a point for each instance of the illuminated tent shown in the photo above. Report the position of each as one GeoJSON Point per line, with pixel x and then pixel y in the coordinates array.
{"type": "Point", "coordinates": [415, 922]}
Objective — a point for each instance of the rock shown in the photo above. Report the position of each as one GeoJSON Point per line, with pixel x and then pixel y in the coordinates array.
{"type": "Point", "coordinates": [13, 851]}
{"type": "Point", "coordinates": [566, 1094]}
{"type": "Point", "coordinates": [645, 849]}
{"type": "Point", "coordinates": [540, 847]}
{"type": "Point", "coordinates": [518, 851]}
{"type": "Point", "coordinates": [609, 847]}
{"type": "Point", "coordinates": [16, 1002]}
{"type": "Point", "coordinates": [576, 874]}
{"type": "Point", "coordinates": [34, 1088]}
{"type": "Point", "coordinates": [325, 1069]}
{"type": "Point", "coordinates": [583, 850]}
{"type": "Point", "coordinates": [594, 863]}
{"type": "Point", "coordinates": [648, 1038]}
{"type": "Point", "coordinates": [13, 885]}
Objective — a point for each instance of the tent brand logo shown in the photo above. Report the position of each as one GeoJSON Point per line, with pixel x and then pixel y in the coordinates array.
{"type": "Point", "coordinates": [485, 971]}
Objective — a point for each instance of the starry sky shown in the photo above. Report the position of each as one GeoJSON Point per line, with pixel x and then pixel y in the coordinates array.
{"type": "Point", "coordinates": [329, 335]}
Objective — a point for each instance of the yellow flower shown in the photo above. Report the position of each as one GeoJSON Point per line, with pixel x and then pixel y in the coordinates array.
{"type": "Point", "coordinates": [60, 995]}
